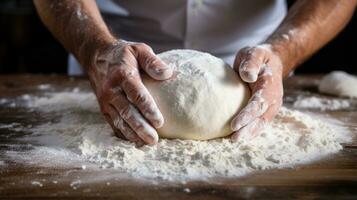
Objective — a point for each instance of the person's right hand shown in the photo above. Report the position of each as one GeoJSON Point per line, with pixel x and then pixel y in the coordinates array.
{"type": "Point", "coordinates": [124, 101]}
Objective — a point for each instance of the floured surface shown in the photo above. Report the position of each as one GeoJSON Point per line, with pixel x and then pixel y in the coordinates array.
{"type": "Point", "coordinates": [323, 103]}
{"type": "Point", "coordinates": [80, 137]}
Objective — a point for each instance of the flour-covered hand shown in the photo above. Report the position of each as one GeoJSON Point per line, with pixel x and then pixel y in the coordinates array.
{"type": "Point", "coordinates": [261, 68]}
{"type": "Point", "coordinates": [124, 100]}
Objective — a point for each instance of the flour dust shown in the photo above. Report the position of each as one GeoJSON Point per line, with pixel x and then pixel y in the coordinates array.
{"type": "Point", "coordinates": [79, 137]}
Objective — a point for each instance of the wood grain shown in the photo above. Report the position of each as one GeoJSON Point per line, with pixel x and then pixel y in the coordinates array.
{"type": "Point", "coordinates": [332, 178]}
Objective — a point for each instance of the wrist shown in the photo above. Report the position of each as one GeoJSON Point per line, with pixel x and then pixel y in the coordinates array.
{"type": "Point", "coordinates": [89, 50]}
{"type": "Point", "coordinates": [284, 52]}
{"type": "Point", "coordinates": [274, 59]}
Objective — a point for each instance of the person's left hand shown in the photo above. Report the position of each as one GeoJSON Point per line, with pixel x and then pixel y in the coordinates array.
{"type": "Point", "coordinates": [261, 68]}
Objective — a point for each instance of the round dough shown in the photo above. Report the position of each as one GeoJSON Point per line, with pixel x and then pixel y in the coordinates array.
{"type": "Point", "coordinates": [339, 83]}
{"type": "Point", "coordinates": [201, 98]}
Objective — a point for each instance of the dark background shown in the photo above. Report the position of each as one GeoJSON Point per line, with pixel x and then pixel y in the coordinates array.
{"type": "Point", "coordinates": [26, 46]}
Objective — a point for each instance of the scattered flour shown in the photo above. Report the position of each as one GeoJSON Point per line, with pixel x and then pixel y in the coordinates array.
{"type": "Point", "coordinates": [44, 86]}
{"type": "Point", "coordinates": [75, 184]}
{"type": "Point", "coordinates": [80, 134]}
{"type": "Point", "coordinates": [3, 101]}
{"type": "Point", "coordinates": [37, 183]}
{"type": "Point", "coordinates": [17, 127]}
{"type": "Point", "coordinates": [321, 103]}
{"type": "Point", "coordinates": [63, 101]}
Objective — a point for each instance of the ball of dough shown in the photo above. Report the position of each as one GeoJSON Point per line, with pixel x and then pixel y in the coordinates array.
{"type": "Point", "coordinates": [339, 83]}
{"type": "Point", "coordinates": [200, 99]}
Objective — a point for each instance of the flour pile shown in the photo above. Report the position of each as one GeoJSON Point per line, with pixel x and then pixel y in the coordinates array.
{"type": "Point", "coordinates": [322, 103]}
{"type": "Point", "coordinates": [80, 132]}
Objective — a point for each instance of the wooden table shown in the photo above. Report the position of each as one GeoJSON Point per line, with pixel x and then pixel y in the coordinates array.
{"type": "Point", "coordinates": [331, 178]}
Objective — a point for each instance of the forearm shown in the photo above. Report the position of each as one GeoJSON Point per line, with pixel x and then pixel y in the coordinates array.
{"type": "Point", "coordinates": [309, 25]}
{"type": "Point", "coordinates": [77, 24]}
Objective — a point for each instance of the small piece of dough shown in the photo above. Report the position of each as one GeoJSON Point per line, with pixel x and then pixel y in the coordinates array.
{"type": "Point", "coordinates": [201, 98]}
{"type": "Point", "coordinates": [339, 83]}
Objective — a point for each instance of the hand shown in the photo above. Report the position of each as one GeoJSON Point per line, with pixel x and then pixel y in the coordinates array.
{"type": "Point", "coordinates": [124, 101]}
{"type": "Point", "coordinates": [262, 69]}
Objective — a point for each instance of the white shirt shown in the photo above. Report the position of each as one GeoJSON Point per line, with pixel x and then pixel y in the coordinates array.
{"type": "Point", "coordinates": [220, 27]}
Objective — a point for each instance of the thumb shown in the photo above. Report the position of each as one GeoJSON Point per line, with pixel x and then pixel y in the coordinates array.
{"type": "Point", "coordinates": [152, 64]}
{"type": "Point", "coordinates": [249, 63]}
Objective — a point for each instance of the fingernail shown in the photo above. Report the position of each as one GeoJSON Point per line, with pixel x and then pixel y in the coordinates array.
{"type": "Point", "coordinates": [155, 118]}
{"type": "Point", "coordinates": [158, 120]}
{"type": "Point", "coordinates": [236, 126]}
{"type": "Point", "coordinates": [249, 76]}
{"type": "Point", "coordinates": [151, 140]}
{"type": "Point", "coordinates": [159, 123]}
{"type": "Point", "coordinates": [161, 73]}
{"type": "Point", "coordinates": [150, 136]}
{"type": "Point", "coordinates": [243, 65]}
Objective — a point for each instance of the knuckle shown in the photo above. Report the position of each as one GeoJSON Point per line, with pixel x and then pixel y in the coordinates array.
{"type": "Point", "coordinates": [126, 49]}
{"type": "Point", "coordinates": [126, 74]}
{"type": "Point", "coordinates": [140, 128]}
{"type": "Point", "coordinates": [242, 54]}
{"type": "Point", "coordinates": [259, 49]}
{"type": "Point", "coordinates": [150, 64]}
{"type": "Point", "coordinates": [129, 136]}
{"type": "Point", "coordinates": [119, 123]}
{"type": "Point", "coordinates": [142, 46]}
{"type": "Point", "coordinates": [128, 71]}
{"type": "Point", "coordinates": [244, 50]}
{"type": "Point", "coordinates": [251, 50]}
{"type": "Point", "coordinates": [139, 98]}
{"type": "Point", "coordinates": [103, 96]}
{"type": "Point", "coordinates": [267, 79]}
{"type": "Point", "coordinates": [125, 112]}
{"type": "Point", "coordinates": [125, 79]}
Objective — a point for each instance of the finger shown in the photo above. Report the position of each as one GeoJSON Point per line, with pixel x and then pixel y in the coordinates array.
{"type": "Point", "coordinates": [249, 131]}
{"type": "Point", "coordinates": [271, 111]}
{"type": "Point", "coordinates": [256, 106]}
{"type": "Point", "coordinates": [121, 126]}
{"type": "Point", "coordinates": [115, 130]}
{"type": "Point", "coordinates": [151, 63]}
{"type": "Point", "coordinates": [258, 124]}
{"type": "Point", "coordinates": [138, 142]}
{"type": "Point", "coordinates": [239, 58]}
{"type": "Point", "coordinates": [130, 82]}
{"type": "Point", "coordinates": [134, 119]}
{"type": "Point", "coordinates": [250, 64]}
